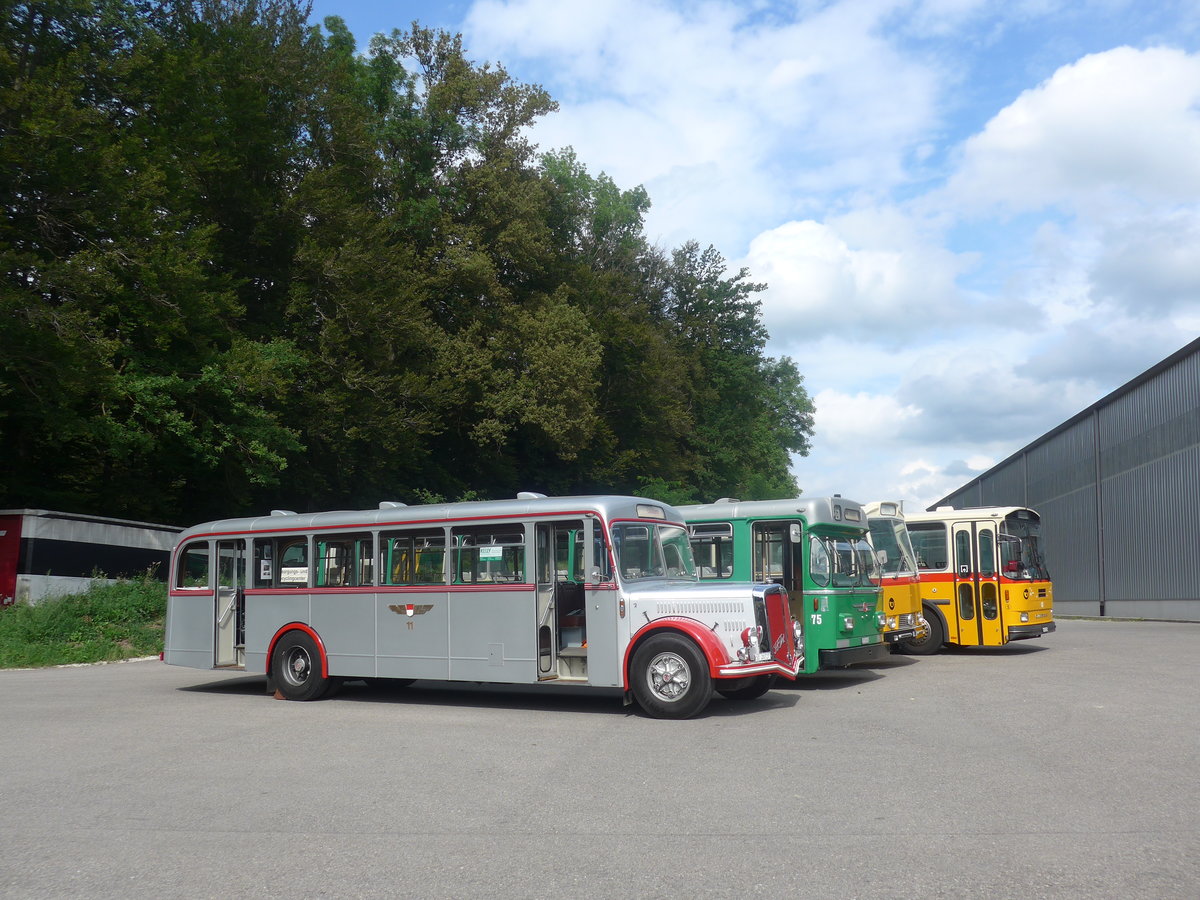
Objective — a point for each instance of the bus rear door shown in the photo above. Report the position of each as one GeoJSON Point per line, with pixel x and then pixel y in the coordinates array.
{"type": "Point", "coordinates": [976, 584]}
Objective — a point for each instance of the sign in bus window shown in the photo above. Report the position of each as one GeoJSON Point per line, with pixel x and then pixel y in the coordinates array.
{"type": "Point", "coordinates": [293, 563]}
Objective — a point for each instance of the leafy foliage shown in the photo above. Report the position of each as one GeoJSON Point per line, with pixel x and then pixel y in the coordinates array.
{"type": "Point", "coordinates": [105, 622]}
{"type": "Point", "coordinates": [241, 265]}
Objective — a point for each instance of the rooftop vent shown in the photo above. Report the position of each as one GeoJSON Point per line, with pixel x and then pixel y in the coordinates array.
{"type": "Point", "coordinates": [530, 495]}
{"type": "Point", "coordinates": [283, 512]}
{"type": "Point", "coordinates": [391, 504]}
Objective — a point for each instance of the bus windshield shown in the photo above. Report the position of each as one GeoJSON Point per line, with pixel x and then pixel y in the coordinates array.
{"type": "Point", "coordinates": [890, 536]}
{"type": "Point", "coordinates": [842, 562]}
{"type": "Point", "coordinates": [644, 550]}
{"type": "Point", "coordinates": [1020, 551]}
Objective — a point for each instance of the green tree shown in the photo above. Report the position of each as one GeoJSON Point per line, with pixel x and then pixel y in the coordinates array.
{"type": "Point", "coordinates": [126, 370]}
{"type": "Point", "coordinates": [750, 411]}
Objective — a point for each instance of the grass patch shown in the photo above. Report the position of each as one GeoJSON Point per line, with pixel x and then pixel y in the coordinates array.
{"type": "Point", "coordinates": [106, 622]}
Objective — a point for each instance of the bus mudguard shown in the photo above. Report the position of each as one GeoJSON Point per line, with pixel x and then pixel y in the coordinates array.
{"type": "Point", "coordinates": [299, 626]}
{"type": "Point", "coordinates": [714, 651]}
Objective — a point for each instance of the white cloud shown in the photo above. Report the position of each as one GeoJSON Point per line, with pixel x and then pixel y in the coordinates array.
{"type": "Point", "coordinates": [1150, 265]}
{"type": "Point", "coordinates": [888, 288]}
{"type": "Point", "coordinates": [1115, 128]}
{"type": "Point", "coordinates": [727, 114]}
{"type": "Point", "coordinates": [846, 420]}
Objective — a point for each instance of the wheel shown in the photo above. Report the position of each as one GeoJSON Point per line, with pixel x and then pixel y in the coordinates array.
{"type": "Point", "coordinates": [296, 668]}
{"type": "Point", "coordinates": [745, 688]}
{"type": "Point", "coordinates": [670, 677]}
{"type": "Point", "coordinates": [929, 644]}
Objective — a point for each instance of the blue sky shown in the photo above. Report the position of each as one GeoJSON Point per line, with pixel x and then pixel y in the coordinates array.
{"type": "Point", "coordinates": [975, 218]}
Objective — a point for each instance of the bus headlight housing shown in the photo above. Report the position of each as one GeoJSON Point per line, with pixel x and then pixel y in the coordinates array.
{"type": "Point", "coordinates": [751, 641]}
{"type": "Point", "coordinates": [892, 623]}
{"type": "Point", "coordinates": [1024, 617]}
{"type": "Point", "coordinates": [847, 623]}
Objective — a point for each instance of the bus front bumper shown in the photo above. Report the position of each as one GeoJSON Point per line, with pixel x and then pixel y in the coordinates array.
{"type": "Point", "coordinates": [852, 656]}
{"type": "Point", "coordinates": [745, 670]}
{"type": "Point", "coordinates": [1021, 632]}
{"type": "Point", "coordinates": [900, 634]}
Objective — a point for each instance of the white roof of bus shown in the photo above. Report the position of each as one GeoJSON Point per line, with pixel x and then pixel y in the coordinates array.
{"type": "Point", "coordinates": [967, 513]}
{"type": "Point", "coordinates": [608, 506]}
{"type": "Point", "coordinates": [814, 509]}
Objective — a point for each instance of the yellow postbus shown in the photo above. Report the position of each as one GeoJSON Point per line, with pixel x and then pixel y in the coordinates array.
{"type": "Point", "coordinates": [984, 581]}
{"type": "Point", "coordinates": [900, 597]}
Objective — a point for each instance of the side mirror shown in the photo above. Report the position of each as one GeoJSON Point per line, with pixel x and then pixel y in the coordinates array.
{"type": "Point", "coordinates": [882, 556]}
{"type": "Point", "coordinates": [794, 534]}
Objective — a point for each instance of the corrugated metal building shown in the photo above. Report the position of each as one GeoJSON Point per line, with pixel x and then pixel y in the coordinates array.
{"type": "Point", "coordinates": [1118, 489]}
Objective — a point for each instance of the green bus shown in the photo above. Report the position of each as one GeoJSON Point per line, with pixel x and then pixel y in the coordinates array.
{"type": "Point", "coordinates": [817, 550]}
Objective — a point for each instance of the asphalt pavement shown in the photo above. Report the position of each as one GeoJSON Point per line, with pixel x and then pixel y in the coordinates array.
{"type": "Point", "coordinates": [1062, 767]}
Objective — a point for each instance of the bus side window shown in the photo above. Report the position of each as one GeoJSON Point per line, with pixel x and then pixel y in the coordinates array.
{"type": "Point", "coordinates": [193, 566]}
{"type": "Point", "coordinates": [344, 561]}
{"type": "Point", "coordinates": [333, 563]}
{"type": "Point", "coordinates": [929, 543]}
{"type": "Point", "coordinates": [293, 563]}
{"type": "Point", "coordinates": [818, 561]}
{"type": "Point", "coordinates": [364, 561]}
{"type": "Point", "coordinates": [487, 556]}
{"type": "Point", "coordinates": [712, 546]}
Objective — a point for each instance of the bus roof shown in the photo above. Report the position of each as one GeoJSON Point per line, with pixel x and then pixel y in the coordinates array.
{"type": "Point", "coordinates": [608, 507]}
{"type": "Point", "coordinates": [884, 509]}
{"type": "Point", "coordinates": [836, 510]}
{"type": "Point", "coordinates": [968, 513]}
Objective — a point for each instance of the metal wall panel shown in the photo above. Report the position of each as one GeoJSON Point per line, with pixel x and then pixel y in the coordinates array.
{"type": "Point", "coordinates": [1062, 464]}
{"type": "Point", "coordinates": [1072, 551]}
{"type": "Point", "coordinates": [1148, 555]}
{"type": "Point", "coordinates": [1119, 546]}
{"type": "Point", "coordinates": [998, 487]}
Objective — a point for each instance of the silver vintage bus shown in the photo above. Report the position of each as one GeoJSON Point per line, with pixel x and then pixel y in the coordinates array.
{"type": "Point", "coordinates": [595, 591]}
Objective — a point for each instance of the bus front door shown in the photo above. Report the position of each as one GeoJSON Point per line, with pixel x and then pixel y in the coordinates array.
{"type": "Point", "coordinates": [976, 585]}
{"type": "Point", "coordinates": [562, 633]}
{"type": "Point", "coordinates": [230, 603]}
{"type": "Point", "coordinates": [776, 557]}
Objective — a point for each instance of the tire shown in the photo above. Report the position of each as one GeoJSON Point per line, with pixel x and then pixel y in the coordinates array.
{"type": "Point", "coordinates": [928, 645]}
{"type": "Point", "coordinates": [670, 677]}
{"type": "Point", "coordinates": [746, 688]}
{"type": "Point", "coordinates": [296, 668]}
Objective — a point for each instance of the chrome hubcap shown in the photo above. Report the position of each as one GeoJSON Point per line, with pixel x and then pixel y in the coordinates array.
{"type": "Point", "coordinates": [669, 676]}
